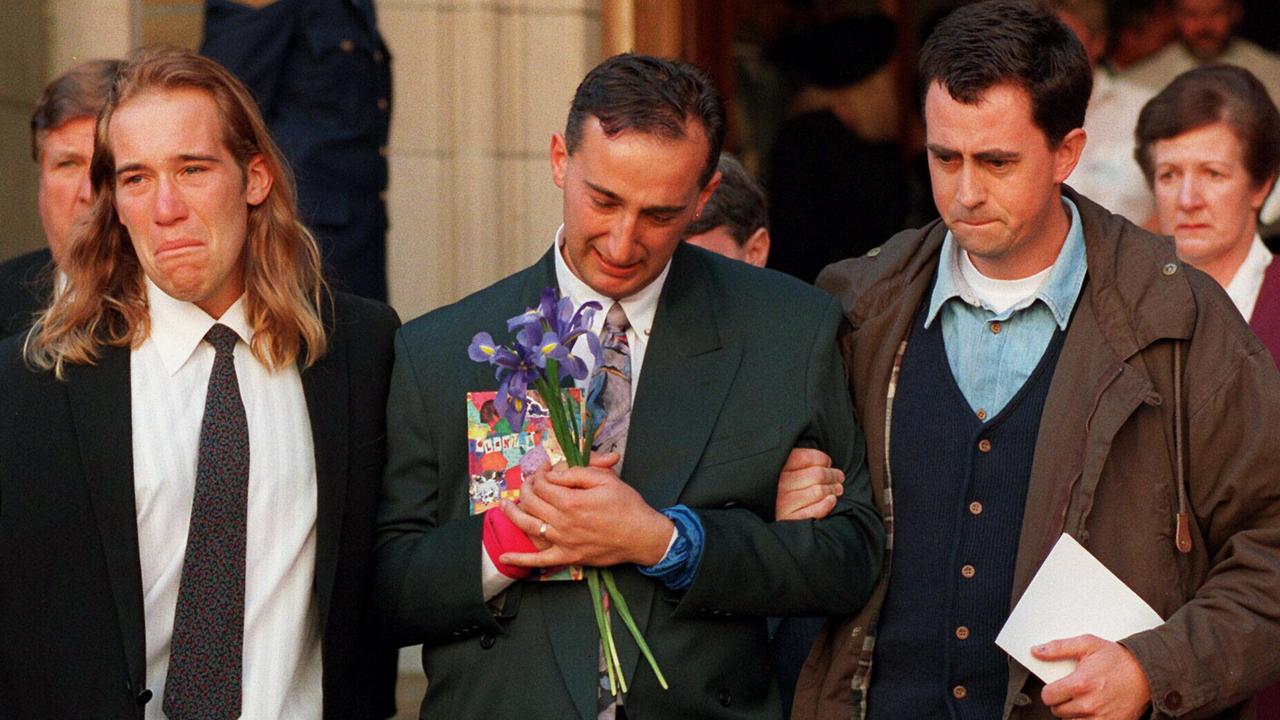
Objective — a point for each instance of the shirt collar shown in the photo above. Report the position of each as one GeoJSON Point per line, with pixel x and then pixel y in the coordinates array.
{"type": "Point", "coordinates": [640, 307]}
{"type": "Point", "coordinates": [1248, 277]}
{"type": "Point", "coordinates": [178, 327]}
{"type": "Point", "coordinates": [1059, 292]}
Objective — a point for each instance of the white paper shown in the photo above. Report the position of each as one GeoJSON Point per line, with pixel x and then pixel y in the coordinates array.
{"type": "Point", "coordinates": [1072, 594]}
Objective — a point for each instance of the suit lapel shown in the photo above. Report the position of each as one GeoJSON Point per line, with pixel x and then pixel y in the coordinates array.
{"type": "Point", "coordinates": [325, 386]}
{"type": "Point", "coordinates": [100, 402]}
{"type": "Point", "coordinates": [685, 379]}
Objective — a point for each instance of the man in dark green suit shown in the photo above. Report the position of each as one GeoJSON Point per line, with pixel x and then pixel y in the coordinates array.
{"type": "Point", "coordinates": [730, 367]}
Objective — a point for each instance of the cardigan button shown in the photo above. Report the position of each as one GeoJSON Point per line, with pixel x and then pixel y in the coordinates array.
{"type": "Point", "coordinates": [962, 633]}
{"type": "Point", "coordinates": [959, 692]}
{"type": "Point", "coordinates": [725, 697]}
{"type": "Point", "coordinates": [984, 445]}
{"type": "Point", "coordinates": [967, 572]}
{"type": "Point", "coordinates": [975, 508]}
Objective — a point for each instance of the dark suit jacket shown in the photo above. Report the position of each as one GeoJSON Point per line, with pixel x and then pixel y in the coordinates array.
{"type": "Point", "coordinates": [71, 608]}
{"type": "Point", "coordinates": [26, 283]}
{"type": "Point", "coordinates": [741, 366]}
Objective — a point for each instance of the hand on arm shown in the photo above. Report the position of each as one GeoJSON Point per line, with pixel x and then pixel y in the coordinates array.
{"type": "Point", "coordinates": [808, 486]}
{"type": "Point", "coordinates": [1107, 684]}
{"type": "Point", "coordinates": [592, 517]}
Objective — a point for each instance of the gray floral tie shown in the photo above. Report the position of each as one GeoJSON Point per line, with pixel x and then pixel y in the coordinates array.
{"type": "Point", "coordinates": [208, 625]}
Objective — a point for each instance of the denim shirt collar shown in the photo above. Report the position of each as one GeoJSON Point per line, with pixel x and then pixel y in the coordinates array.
{"type": "Point", "coordinates": [1059, 293]}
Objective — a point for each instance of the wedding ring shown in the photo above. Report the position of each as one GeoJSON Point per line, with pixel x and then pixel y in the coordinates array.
{"type": "Point", "coordinates": [542, 531]}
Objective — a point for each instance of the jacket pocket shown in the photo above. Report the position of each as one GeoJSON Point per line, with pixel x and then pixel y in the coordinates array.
{"type": "Point", "coordinates": [739, 446]}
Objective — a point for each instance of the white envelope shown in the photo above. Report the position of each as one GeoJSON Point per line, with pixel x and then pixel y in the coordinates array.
{"type": "Point", "coordinates": [1071, 594]}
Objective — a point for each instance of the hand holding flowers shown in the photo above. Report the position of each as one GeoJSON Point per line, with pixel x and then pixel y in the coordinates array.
{"type": "Point", "coordinates": [593, 518]}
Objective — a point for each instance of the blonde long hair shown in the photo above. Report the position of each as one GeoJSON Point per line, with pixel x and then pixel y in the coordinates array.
{"type": "Point", "coordinates": [104, 300]}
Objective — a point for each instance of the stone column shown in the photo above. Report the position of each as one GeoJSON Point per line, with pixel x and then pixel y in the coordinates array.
{"type": "Point", "coordinates": [480, 86]}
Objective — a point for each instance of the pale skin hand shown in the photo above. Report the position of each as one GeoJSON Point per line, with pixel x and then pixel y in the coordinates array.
{"type": "Point", "coordinates": [593, 518]}
{"type": "Point", "coordinates": [808, 487]}
{"type": "Point", "coordinates": [1107, 684]}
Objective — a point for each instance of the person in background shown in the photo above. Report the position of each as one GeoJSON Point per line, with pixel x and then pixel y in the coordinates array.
{"type": "Point", "coordinates": [321, 73]}
{"type": "Point", "coordinates": [1106, 172]}
{"type": "Point", "coordinates": [61, 145]}
{"type": "Point", "coordinates": [1035, 365]}
{"type": "Point", "coordinates": [193, 378]}
{"type": "Point", "coordinates": [837, 178]}
{"type": "Point", "coordinates": [1207, 34]}
{"type": "Point", "coordinates": [1138, 30]}
{"type": "Point", "coordinates": [1209, 145]}
{"type": "Point", "coordinates": [735, 221]}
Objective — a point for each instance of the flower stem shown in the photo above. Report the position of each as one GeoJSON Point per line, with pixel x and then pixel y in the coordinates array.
{"type": "Point", "coordinates": [597, 604]}
{"type": "Point", "coordinates": [625, 613]}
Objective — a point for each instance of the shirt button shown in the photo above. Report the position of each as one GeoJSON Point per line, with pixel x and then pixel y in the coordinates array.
{"type": "Point", "coordinates": [984, 445]}
{"type": "Point", "coordinates": [995, 327]}
{"type": "Point", "coordinates": [975, 508]}
{"type": "Point", "coordinates": [967, 572]}
{"type": "Point", "coordinates": [487, 641]}
{"type": "Point", "coordinates": [1173, 700]}
{"type": "Point", "coordinates": [1170, 269]}
{"type": "Point", "coordinates": [959, 692]}
{"type": "Point", "coordinates": [982, 414]}
{"type": "Point", "coordinates": [383, 104]}
{"type": "Point", "coordinates": [962, 633]}
{"type": "Point", "coordinates": [346, 45]}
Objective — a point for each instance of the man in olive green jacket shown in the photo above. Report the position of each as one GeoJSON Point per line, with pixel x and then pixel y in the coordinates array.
{"type": "Point", "coordinates": [1155, 448]}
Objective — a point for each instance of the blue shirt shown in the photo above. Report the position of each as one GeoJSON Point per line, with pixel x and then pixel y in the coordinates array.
{"type": "Point", "coordinates": [992, 354]}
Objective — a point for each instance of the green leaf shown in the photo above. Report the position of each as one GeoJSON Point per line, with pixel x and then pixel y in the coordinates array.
{"type": "Point", "coordinates": [597, 604]}
{"type": "Point", "coordinates": [625, 613]}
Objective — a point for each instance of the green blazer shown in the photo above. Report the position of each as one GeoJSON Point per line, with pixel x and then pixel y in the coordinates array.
{"type": "Point", "coordinates": [742, 365]}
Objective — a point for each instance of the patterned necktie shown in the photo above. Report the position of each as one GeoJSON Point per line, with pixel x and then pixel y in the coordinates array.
{"type": "Point", "coordinates": [611, 386]}
{"type": "Point", "coordinates": [208, 624]}
{"type": "Point", "coordinates": [611, 390]}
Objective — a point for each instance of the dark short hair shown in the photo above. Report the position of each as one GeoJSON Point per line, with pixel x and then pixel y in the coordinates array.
{"type": "Point", "coordinates": [650, 95]}
{"type": "Point", "coordinates": [78, 93]}
{"type": "Point", "coordinates": [1018, 42]}
{"type": "Point", "coordinates": [738, 204]}
{"type": "Point", "coordinates": [1207, 95]}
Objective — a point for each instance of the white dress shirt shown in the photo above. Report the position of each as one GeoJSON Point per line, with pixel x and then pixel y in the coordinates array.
{"type": "Point", "coordinates": [170, 372]}
{"type": "Point", "coordinates": [1246, 284]}
{"type": "Point", "coordinates": [640, 309]}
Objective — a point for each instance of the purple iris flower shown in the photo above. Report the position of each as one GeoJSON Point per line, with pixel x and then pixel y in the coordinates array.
{"type": "Point", "coordinates": [543, 333]}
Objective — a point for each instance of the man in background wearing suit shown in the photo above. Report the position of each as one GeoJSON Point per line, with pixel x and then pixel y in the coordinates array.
{"type": "Point", "coordinates": [721, 369]}
{"type": "Point", "coordinates": [61, 144]}
{"type": "Point", "coordinates": [191, 437]}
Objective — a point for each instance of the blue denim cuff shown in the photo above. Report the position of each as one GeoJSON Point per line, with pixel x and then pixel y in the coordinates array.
{"type": "Point", "coordinates": [677, 569]}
